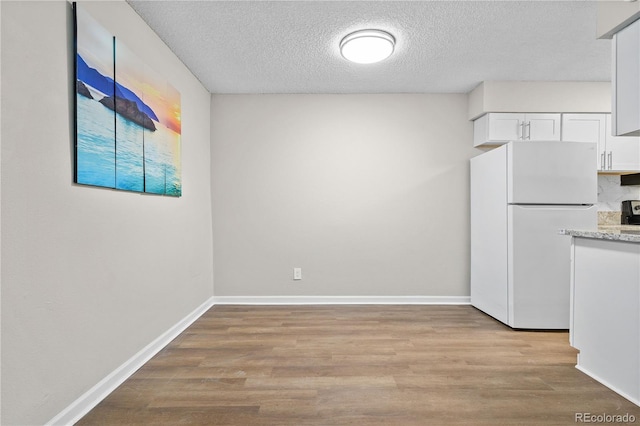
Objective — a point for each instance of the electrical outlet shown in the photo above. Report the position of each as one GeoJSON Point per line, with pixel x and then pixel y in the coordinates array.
{"type": "Point", "coordinates": [297, 273]}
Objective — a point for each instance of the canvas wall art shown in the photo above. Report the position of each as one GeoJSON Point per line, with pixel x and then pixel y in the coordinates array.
{"type": "Point", "coordinates": [128, 118]}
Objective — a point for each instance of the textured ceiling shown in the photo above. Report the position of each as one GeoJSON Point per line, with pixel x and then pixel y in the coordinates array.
{"type": "Point", "coordinates": [442, 46]}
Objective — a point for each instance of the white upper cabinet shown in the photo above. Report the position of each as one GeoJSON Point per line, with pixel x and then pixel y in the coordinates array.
{"type": "Point", "coordinates": [586, 128]}
{"type": "Point", "coordinates": [626, 80]}
{"type": "Point", "coordinates": [542, 127]}
{"type": "Point", "coordinates": [615, 154]}
{"type": "Point", "coordinates": [497, 128]}
{"type": "Point", "coordinates": [622, 152]}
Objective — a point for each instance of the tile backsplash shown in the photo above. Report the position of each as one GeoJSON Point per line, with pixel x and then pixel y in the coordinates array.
{"type": "Point", "coordinates": [610, 193]}
{"type": "Point", "coordinates": [607, 218]}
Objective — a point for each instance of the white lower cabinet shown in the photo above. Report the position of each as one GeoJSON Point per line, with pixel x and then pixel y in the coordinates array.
{"type": "Point", "coordinates": [615, 153]}
{"type": "Point", "coordinates": [497, 128]}
{"type": "Point", "coordinates": [605, 312]}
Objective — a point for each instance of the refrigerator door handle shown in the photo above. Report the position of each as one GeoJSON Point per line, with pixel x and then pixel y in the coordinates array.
{"type": "Point", "coordinates": [551, 206]}
{"type": "Point", "coordinates": [610, 159]}
{"type": "Point", "coordinates": [603, 164]}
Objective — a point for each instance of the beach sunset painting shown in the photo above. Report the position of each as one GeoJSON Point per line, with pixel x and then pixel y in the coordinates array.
{"type": "Point", "coordinates": [162, 160]}
{"type": "Point", "coordinates": [128, 118]}
{"type": "Point", "coordinates": [95, 125]}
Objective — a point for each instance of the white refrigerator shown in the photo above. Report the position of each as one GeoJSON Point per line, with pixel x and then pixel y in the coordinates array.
{"type": "Point", "coordinates": [522, 194]}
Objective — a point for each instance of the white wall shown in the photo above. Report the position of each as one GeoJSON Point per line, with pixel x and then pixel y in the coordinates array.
{"type": "Point", "coordinates": [539, 96]}
{"type": "Point", "coordinates": [367, 193]}
{"type": "Point", "coordinates": [615, 15]}
{"type": "Point", "coordinates": [89, 276]}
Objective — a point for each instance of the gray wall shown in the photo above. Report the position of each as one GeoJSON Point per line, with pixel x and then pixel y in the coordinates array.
{"type": "Point", "coordinates": [89, 276]}
{"type": "Point", "coordinates": [367, 193]}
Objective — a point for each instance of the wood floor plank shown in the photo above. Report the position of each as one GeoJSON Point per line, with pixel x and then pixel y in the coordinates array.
{"type": "Point", "coordinates": [358, 365]}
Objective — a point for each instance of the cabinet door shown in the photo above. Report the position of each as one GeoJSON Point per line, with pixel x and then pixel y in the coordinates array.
{"type": "Point", "coordinates": [505, 126]}
{"type": "Point", "coordinates": [626, 80]}
{"type": "Point", "coordinates": [622, 152]}
{"type": "Point", "coordinates": [542, 127]}
{"type": "Point", "coordinates": [586, 128]}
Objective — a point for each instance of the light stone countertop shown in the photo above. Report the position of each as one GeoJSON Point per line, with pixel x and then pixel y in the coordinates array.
{"type": "Point", "coordinates": [627, 233]}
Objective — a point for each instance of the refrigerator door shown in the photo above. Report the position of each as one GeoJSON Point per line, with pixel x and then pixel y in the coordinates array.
{"type": "Point", "coordinates": [539, 263]}
{"type": "Point", "coordinates": [543, 172]}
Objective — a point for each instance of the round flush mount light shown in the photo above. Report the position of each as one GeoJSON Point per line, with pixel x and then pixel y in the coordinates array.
{"type": "Point", "coordinates": [367, 46]}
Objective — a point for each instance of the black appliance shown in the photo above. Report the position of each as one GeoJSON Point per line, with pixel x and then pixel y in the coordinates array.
{"type": "Point", "coordinates": [631, 212]}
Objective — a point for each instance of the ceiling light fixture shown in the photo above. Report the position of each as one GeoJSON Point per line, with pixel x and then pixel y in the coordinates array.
{"type": "Point", "coordinates": [367, 46]}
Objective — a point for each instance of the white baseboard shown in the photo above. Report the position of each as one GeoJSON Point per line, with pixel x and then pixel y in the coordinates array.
{"type": "Point", "coordinates": [609, 385]}
{"type": "Point", "coordinates": [81, 406]}
{"type": "Point", "coordinates": [342, 300]}
{"type": "Point", "coordinates": [93, 396]}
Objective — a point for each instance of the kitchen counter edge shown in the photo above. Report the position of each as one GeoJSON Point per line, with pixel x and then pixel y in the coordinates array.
{"type": "Point", "coordinates": [626, 233]}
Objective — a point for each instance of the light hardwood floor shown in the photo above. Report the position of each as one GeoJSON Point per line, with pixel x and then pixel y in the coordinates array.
{"type": "Point", "coordinates": [358, 365]}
